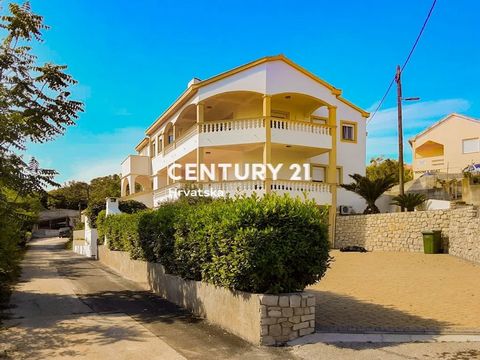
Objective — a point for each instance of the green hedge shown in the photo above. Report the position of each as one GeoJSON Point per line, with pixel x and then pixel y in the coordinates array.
{"type": "Point", "coordinates": [100, 225]}
{"type": "Point", "coordinates": [131, 206]}
{"type": "Point", "coordinates": [157, 234]}
{"type": "Point", "coordinates": [272, 244]}
{"type": "Point", "coordinates": [123, 233]}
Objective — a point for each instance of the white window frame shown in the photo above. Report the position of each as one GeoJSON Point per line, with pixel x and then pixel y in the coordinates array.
{"type": "Point", "coordinates": [475, 143]}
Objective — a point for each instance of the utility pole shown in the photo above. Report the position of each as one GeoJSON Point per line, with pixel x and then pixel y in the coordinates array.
{"type": "Point", "coordinates": [400, 131]}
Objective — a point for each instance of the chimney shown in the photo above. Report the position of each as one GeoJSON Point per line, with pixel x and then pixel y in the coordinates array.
{"type": "Point", "coordinates": [193, 81]}
{"type": "Point", "coordinates": [112, 206]}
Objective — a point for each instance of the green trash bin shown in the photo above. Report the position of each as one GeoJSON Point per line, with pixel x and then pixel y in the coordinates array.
{"type": "Point", "coordinates": [432, 241]}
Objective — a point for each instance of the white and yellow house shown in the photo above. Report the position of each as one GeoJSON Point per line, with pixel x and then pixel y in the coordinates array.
{"type": "Point", "coordinates": [446, 147]}
{"type": "Point", "coordinates": [269, 111]}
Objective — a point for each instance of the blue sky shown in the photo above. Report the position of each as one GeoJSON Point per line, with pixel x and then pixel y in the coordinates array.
{"type": "Point", "coordinates": [133, 58]}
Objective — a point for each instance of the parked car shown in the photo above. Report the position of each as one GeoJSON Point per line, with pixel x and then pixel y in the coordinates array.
{"type": "Point", "coordinates": [64, 232]}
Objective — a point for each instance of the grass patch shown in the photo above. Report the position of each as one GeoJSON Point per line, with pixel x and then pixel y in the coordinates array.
{"type": "Point", "coordinates": [69, 244]}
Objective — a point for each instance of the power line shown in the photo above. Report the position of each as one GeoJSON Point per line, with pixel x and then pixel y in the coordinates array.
{"type": "Point", "coordinates": [406, 60]}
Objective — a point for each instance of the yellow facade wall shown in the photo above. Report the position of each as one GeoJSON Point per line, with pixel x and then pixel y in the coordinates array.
{"type": "Point", "coordinates": [450, 133]}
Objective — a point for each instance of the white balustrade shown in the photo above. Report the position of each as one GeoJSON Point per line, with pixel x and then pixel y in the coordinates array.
{"type": "Point", "coordinates": [320, 192]}
{"type": "Point", "coordinates": [231, 125]}
{"type": "Point", "coordinates": [301, 126]}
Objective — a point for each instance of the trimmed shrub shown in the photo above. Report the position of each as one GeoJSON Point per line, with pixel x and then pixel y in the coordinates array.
{"type": "Point", "coordinates": [157, 234]}
{"type": "Point", "coordinates": [100, 224]}
{"type": "Point", "coordinates": [93, 210]}
{"type": "Point", "coordinates": [193, 234]}
{"type": "Point", "coordinates": [131, 206]}
{"type": "Point", "coordinates": [122, 232]}
{"type": "Point", "coordinates": [271, 244]}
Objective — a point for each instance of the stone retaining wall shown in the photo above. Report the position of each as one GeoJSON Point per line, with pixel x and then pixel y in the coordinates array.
{"type": "Point", "coordinates": [286, 317]}
{"type": "Point", "coordinates": [257, 318]}
{"type": "Point", "coordinates": [403, 231]}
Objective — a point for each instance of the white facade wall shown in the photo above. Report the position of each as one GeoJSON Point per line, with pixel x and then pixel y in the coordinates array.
{"type": "Point", "coordinates": [276, 77]}
{"type": "Point", "coordinates": [254, 79]}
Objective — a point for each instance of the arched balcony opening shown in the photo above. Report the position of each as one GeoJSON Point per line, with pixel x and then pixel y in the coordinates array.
{"type": "Point", "coordinates": [186, 120]}
{"type": "Point", "coordinates": [298, 107]}
{"type": "Point", "coordinates": [168, 135]}
{"type": "Point", "coordinates": [429, 149]}
{"type": "Point", "coordinates": [125, 187]}
{"type": "Point", "coordinates": [143, 183]}
{"type": "Point", "coordinates": [233, 105]}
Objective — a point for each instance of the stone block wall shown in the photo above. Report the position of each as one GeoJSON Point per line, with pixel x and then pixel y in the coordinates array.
{"type": "Point", "coordinates": [389, 231]}
{"type": "Point", "coordinates": [403, 231]}
{"type": "Point", "coordinates": [286, 317]}
{"type": "Point", "coordinates": [257, 318]}
{"type": "Point", "coordinates": [464, 234]}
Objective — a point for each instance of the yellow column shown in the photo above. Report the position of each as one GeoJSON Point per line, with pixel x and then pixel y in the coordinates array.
{"type": "Point", "coordinates": [200, 120]}
{"type": "Point", "coordinates": [267, 147]}
{"type": "Point", "coordinates": [174, 132]}
{"type": "Point", "coordinates": [164, 142]}
{"type": "Point", "coordinates": [200, 113]}
{"type": "Point", "coordinates": [332, 172]}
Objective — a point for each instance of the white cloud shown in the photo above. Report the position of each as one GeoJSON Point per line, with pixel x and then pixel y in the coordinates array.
{"type": "Point", "coordinates": [387, 146]}
{"type": "Point", "coordinates": [88, 170]}
{"type": "Point", "coordinates": [103, 153]}
{"type": "Point", "coordinates": [419, 114]}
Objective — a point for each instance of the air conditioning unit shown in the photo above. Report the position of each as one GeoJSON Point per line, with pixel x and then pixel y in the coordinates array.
{"type": "Point", "coordinates": [346, 210]}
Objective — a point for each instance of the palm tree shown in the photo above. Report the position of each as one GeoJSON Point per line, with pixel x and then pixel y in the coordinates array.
{"type": "Point", "coordinates": [369, 189]}
{"type": "Point", "coordinates": [409, 201]}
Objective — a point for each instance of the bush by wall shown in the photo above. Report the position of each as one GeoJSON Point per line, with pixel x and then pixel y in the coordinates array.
{"type": "Point", "coordinates": [157, 234]}
{"type": "Point", "coordinates": [100, 225]}
{"type": "Point", "coordinates": [131, 206]}
{"type": "Point", "coordinates": [122, 232]}
{"type": "Point", "coordinates": [271, 244]}
{"type": "Point", "coordinates": [92, 211]}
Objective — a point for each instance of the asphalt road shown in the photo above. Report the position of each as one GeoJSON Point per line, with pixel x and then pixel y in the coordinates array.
{"type": "Point", "coordinates": [68, 306]}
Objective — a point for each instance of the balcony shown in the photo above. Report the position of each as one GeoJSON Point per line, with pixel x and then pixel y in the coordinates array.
{"type": "Point", "coordinates": [433, 163]}
{"type": "Point", "coordinates": [244, 131]}
{"type": "Point", "coordinates": [136, 164]}
{"type": "Point", "coordinates": [301, 133]}
{"type": "Point", "coordinates": [317, 191]}
{"type": "Point", "coordinates": [231, 132]}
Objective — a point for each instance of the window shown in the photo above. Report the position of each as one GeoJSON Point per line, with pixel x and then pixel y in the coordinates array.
{"type": "Point", "coordinates": [170, 138]}
{"type": "Point", "coordinates": [152, 149]}
{"type": "Point", "coordinates": [160, 143]}
{"type": "Point", "coordinates": [471, 146]}
{"type": "Point", "coordinates": [318, 173]}
{"type": "Point", "coordinates": [349, 131]}
{"type": "Point", "coordinates": [318, 119]}
{"type": "Point", "coordinates": [280, 114]}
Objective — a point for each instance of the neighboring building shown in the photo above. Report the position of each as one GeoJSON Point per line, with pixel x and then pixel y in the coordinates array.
{"type": "Point", "coordinates": [50, 221]}
{"type": "Point", "coordinates": [447, 147]}
{"type": "Point", "coordinates": [268, 111]}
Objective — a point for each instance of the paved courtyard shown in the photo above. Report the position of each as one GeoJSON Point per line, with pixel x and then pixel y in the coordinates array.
{"type": "Point", "coordinates": [399, 292]}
